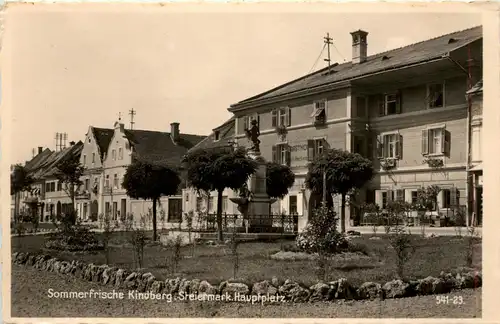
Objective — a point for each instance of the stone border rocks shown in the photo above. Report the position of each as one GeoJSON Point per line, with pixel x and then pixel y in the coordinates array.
{"type": "Point", "coordinates": [341, 289]}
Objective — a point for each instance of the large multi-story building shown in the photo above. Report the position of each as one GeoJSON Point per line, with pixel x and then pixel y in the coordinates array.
{"type": "Point", "coordinates": [405, 109]}
{"type": "Point", "coordinates": [152, 146]}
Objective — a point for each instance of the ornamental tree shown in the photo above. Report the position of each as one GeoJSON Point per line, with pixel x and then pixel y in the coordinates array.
{"type": "Point", "coordinates": [279, 178]}
{"type": "Point", "coordinates": [69, 172]}
{"type": "Point", "coordinates": [217, 169]}
{"type": "Point", "coordinates": [150, 181]}
{"type": "Point", "coordinates": [20, 180]}
{"type": "Point", "coordinates": [345, 172]}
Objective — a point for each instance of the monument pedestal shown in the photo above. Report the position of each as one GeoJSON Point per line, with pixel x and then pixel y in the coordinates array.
{"type": "Point", "coordinates": [259, 217]}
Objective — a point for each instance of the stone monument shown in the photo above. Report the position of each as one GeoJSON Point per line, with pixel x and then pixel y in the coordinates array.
{"type": "Point", "coordinates": [258, 204]}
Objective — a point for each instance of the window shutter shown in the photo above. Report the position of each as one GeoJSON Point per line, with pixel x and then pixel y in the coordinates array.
{"type": "Point", "coordinates": [258, 120]}
{"type": "Point", "coordinates": [400, 194]}
{"type": "Point", "coordinates": [399, 146]}
{"type": "Point", "coordinates": [310, 150]}
{"type": "Point", "coordinates": [274, 118]}
{"type": "Point", "coordinates": [447, 143]}
{"type": "Point", "coordinates": [443, 144]}
{"type": "Point", "coordinates": [398, 102]}
{"type": "Point", "coordinates": [288, 117]}
{"type": "Point", "coordinates": [381, 105]}
{"type": "Point", "coordinates": [275, 153]}
{"type": "Point", "coordinates": [380, 147]}
{"type": "Point", "coordinates": [453, 197]}
{"type": "Point", "coordinates": [288, 155]}
{"type": "Point", "coordinates": [326, 146]}
{"type": "Point", "coordinates": [425, 141]}
{"type": "Point", "coordinates": [245, 122]}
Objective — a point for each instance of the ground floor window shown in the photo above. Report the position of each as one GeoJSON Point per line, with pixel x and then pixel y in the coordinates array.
{"type": "Point", "coordinates": [174, 210]}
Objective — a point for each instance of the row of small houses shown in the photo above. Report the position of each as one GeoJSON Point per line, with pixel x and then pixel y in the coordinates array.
{"type": "Point", "coordinates": [416, 111]}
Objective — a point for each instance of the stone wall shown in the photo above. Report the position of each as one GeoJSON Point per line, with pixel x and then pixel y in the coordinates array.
{"type": "Point", "coordinates": [274, 290]}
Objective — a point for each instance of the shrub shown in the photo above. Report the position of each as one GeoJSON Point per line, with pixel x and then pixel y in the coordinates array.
{"type": "Point", "coordinates": [321, 233]}
{"type": "Point", "coordinates": [404, 248]}
{"type": "Point", "coordinates": [355, 247]}
{"type": "Point", "coordinates": [75, 238]}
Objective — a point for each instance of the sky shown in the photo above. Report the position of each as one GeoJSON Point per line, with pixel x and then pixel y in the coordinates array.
{"type": "Point", "coordinates": [72, 69]}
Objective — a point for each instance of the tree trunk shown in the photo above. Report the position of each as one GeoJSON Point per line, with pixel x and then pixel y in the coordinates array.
{"type": "Point", "coordinates": [154, 219]}
{"type": "Point", "coordinates": [342, 214]}
{"type": "Point", "coordinates": [220, 236]}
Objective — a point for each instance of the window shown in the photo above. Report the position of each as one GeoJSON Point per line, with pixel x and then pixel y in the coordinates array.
{"type": "Point", "coordinates": [292, 205]}
{"type": "Point", "coordinates": [120, 153]}
{"type": "Point", "coordinates": [390, 146]}
{"type": "Point", "coordinates": [47, 187]}
{"type": "Point", "coordinates": [115, 210]}
{"type": "Point", "coordinates": [224, 204]}
{"type": "Point", "coordinates": [106, 183]}
{"type": "Point", "coordinates": [281, 117]}
{"type": "Point", "coordinates": [107, 208]}
{"type": "Point", "coordinates": [52, 186]}
{"type": "Point", "coordinates": [199, 203]}
{"type": "Point", "coordinates": [315, 148]}
{"type": "Point", "coordinates": [400, 195]}
{"type": "Point", "coordinates": [319, 112]}
{"type": "Point", "coordinates": [414, 196]}
{"type": "Point", "coordinates": [59, 186]}
{"type": "Point", "coordinates": [87, 184]}
{"type": "Point", "coordinates": [446, 202]}
{"type": "Point", "coordinates": [115, 181]}
{"type": "Point", "coordinates": [390, 104]}
{"type": "Point", "coordinates": [436, 141]}
{"type": "Point", "coordinates": [216, 135]}
{"type": "Point", "coordinates": [210, 206]}
{"type": "Point", "coordinates": [174, 210]}
{"type": "Point", "coordinates": [435, 95]}
{"type": "Point", "coordinates": [113, 155]}
{"type": "Point", "coordinates": [93, 157]}
{"type": "Point", "coordinates": [247, 121]}
{"type": "Point", "coordinates": [281, 154]}
{"type": "Point", "coordinates": [387, 196]}
{"type": "Point", "coordinates": [84, 159]}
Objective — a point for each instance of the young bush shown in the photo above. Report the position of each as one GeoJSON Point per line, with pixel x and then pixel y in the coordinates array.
{"type": "Point", "coordinates": [374, 212]}
{"type": "Point", "coordinates": [136, 236]}
{"type": "Point", "coordinates": [403, 246]}
{"type": "Point", "coordinates": [176, 254]}
{"type": "Point", "coordinates": [189, 224]}
{"type": "Point", "coordinates": [471, 240]}
{"type": "Point", "coordinates": [321, 233]}
{"type": "Point", "coordinates": [108, 226]}
{"type": "Point", "coordinates": [234, 252]}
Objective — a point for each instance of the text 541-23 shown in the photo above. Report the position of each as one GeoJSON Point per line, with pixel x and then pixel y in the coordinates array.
{"type": "Point", "coordinates": [446, 300]}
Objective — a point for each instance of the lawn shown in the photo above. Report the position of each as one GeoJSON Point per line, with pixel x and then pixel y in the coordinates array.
{"type": "Point", "coordinates": [215, 263]}
{"type": "Point", "coordinates": [30, 299]}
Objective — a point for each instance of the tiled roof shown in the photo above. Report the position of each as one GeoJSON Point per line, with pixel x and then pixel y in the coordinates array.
{"type": "Point", "coordinates": [478, 87]}
{"type": "Point", "coordinates": [428, 50]}
{"type": "Point", "coordinates": [226, 133]}
{"type": "Point", "coordinates": [103, 137]}
{"type": "Point", "coordinates": [49, 167]}
{"type": "Point", "coordinates": [159, 147]}
{"type": "Point", "coordinates": [34, 163]}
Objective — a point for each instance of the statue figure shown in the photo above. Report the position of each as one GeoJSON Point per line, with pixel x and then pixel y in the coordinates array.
{"type": "Point", "coordinates": [253, 135]}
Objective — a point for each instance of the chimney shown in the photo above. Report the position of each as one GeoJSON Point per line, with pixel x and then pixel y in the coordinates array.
{"type": "Point", "coordinates": [40, 149]}
{"type": "Point", "coordinates": [359, 46]}
{"type": "Point", "coordinates": [174, 131]}
{"type": "Point", "coordinates": [71, 143]}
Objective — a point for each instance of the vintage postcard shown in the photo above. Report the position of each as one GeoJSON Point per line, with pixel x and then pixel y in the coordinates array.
{"type": "Point", "coordinates": [286, 161]}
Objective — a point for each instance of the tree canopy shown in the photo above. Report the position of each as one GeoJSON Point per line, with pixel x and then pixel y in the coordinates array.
{"type": "Point", "coordinates": [279, 179]}
{"type": "Point", "coordinates": [146, 180]}
{"type": "Point", "coordinates": [20, 179]}
{"type": "Point", "coordinates": [69, 173]}
{"type": "Point", "coordinates": [217, 169]}
{"type": "Point", "coordinates": [345, 171]}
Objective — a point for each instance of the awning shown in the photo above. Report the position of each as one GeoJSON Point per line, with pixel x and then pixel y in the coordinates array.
{"type": "Point", "coordinates": [317, 112]}
{"type": "Point", "coordinates": [475, 168]}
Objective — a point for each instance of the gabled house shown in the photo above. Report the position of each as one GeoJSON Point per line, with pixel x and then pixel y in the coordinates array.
{"type": "Point", "coordinates": [89, 197]}
{"type": "Point", "coordinates": [153, 146]}
{"type": "Point", "coordinates": [404, 109]}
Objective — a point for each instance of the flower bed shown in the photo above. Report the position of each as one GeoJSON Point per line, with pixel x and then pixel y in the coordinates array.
{"type": "Point", "coordinates": [289, 290]}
